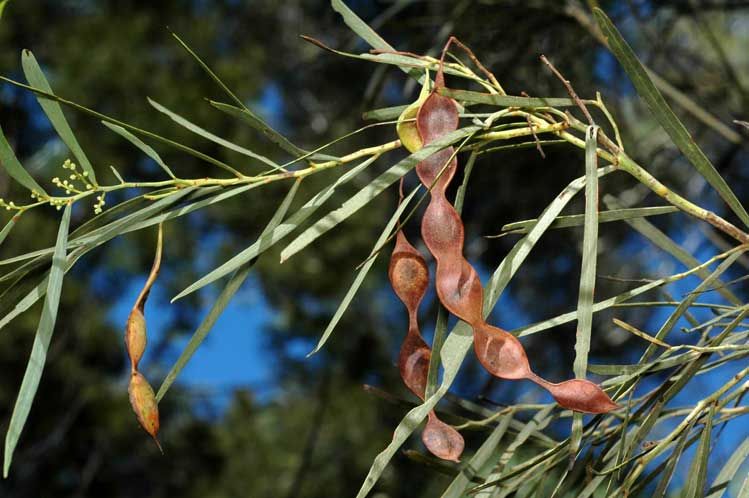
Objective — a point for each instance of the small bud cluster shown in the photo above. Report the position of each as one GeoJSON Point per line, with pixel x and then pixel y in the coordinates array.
{"type": "Point", "coordinates": [99, 206]}
{"type": "Point", "coordinates": [8, 205]}
{"type": "Point", "coordinates": [75, 176]}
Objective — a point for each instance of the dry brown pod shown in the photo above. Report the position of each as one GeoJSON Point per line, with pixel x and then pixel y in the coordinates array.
{"type": "Point", "coordinates": [142, 397]}
{"type": "Point", "coordinates": [458, 285]}
{"type": "Point", "coordinates": [409, 277]}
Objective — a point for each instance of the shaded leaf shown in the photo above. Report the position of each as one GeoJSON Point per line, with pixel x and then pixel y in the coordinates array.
{"type": "Point", "coordinates": [14, 168]}
{"type": "Point", "coordinates": [505, 100]}
{"type": "Point", "coordinates": [36, 78]}
{"type": "Point", "coordinates": [147, 149]}
{"type": "Point", "coordinates": [665, 116]}
{"type": "Point", "coordinates": [603, 217]}
{"type": "Point", "coordinates": [210, 136]}
{"type": "Point", "coordinates": [9, 226]}
{"type": "Point", "coordinates": [724, 477]}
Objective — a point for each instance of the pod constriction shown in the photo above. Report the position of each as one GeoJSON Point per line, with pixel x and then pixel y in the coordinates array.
{"type": "Point", "coordinates": [409, 277]}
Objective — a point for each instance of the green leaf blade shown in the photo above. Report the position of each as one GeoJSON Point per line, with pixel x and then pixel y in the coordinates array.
{"type": "Point", "coordinates": [33, 374]}
{"type": "Point", "coordinates": [665, 115]}
{"type": "Point", "coordinates": [369, 192]}
{"type": "Point", "coordinates": [231, 288]}
{"type": "Point", "coordinates": [259, 246]}
{"type": "Point", "coordinates": [54, 113]}
{"type": "Point", "coordinates": [13, 167]}
{"type": "Point", "coordinates": [140, 144]}
{"type": "Point", "coordinates": [189, 125]}
{"type": "Point", "coordinates": [362, 273]}
{"type": "Point", "coordinates": [586, 291]}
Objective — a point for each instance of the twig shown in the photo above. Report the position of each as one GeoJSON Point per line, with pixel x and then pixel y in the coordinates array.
{"type": "Point", "coordinates": [570, 90]}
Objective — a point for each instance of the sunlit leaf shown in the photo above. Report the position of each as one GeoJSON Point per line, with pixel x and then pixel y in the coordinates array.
{"type": "Point", "coordinates": [33, 374]}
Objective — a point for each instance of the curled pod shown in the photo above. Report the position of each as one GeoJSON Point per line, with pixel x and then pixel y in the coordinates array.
{"type": "Point", "coordinates": [458, 285]}
{"type": "Point", "coordinates": [409, 276]}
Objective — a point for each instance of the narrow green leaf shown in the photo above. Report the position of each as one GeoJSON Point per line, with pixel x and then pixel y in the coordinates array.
{"type": "Point", "coordinates": [458, 486]}
{"type": "Point", "coordinates": [85, 244]}
{"type": "Point", "coordinates": [223, 299]}
{"type": "Point", "coordinates": [539, 421]}
{"type": "Point", "coordinates": [9, 226]}
{"type": "Point", "coordinates": [14, 168]}
{"type": "Point", "coordinates": [719, 485]}
{"type": "Point", "coordinates": [36, 78]}
{"type": "Point", "coordinates": [246, 115]}
{"type": "Point", "coordinates": [663, 241]}
{"type": "Point", "coordinates": [33, 373]}
{"type": "Point", "coordinates": [358, 26]}
{"type": "Point", "coordinates": [460, 339]}
{"type": "Point", "coordinates": [665, 116]}
{"type": "Point", "coordinates": [384, 114]}
{"type": "Point", "coordinates": [505, 100]}
{"type": "Point", "coordinates": [578, 219]}
{"type": "Point", "coordinates": [3, 3]}
{"type": "Point", "coordinates": [147, 149]}
{"type": "Point", "coordinates": [369, 192]}
{"type": "Point", "coordinates": [673, 459]}
{"type": "Point", "coordinates": [744, 490]}
{"type": "Point", "coordinates": [210, 136]}
{"type": "Point", "coordinates": [184, 148]}
{"type": "Point", "coordinates": [586, 291]}
{"type": "Point", "coordinates": [698, 470]}
{"type": "Point", "coordinates": [280, 232]}
{"type": "Point", "coordinates": [362, 273]}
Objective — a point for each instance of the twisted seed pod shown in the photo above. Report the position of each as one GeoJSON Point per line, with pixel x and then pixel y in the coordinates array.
{"type": "Point", "coordinates": [409, 277]}
{"type": "Point", "coordinates": [142, 397]}
{"type": "Point", "coordinates": [458, 285]}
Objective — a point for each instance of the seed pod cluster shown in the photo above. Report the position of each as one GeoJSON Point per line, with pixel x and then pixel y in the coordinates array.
{"type": "Point", "coordinates": [458, 286]}
{"type": "Point", "coordinates": [409, 277]}
{"type": "Point", "coordinates": [142, 397]}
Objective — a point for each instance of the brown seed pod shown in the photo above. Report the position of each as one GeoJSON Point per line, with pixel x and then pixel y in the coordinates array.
{"type": "Point", "coordinates": [135, 337]}
{"type": "Point", "coordinates": [141, 394]}
{"type": "Point", "coordinates": [143, 401]}
{"type": "Point", "coordinates": [409, 277]}
{"type": "Point", "coordinates": [458, 285]}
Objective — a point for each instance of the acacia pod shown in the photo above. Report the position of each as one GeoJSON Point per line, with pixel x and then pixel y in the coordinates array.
{"type": "Point", "coordinates": [143, 401]}
{"type": "Point", "coordinates": [458, 285]}
{"type": "Point", "coordinates": [500, 352]}
{"type": "Point", "coordinates": [406, 125]}
{"type": "Point", "coordinates": [409, 276]}
{"type": "Point", "coordinates": [408, 273]}
{"type": "Point", "coordinates": [406, 128]}
{"type": "Point", "coordinates": [580, 395]}
{"type": "Point", "coordinates": [135, 337]}
{"type": "Point", "coordinates": [142, 397]}
{"type": "Point", "coordinates": [442, 440]}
